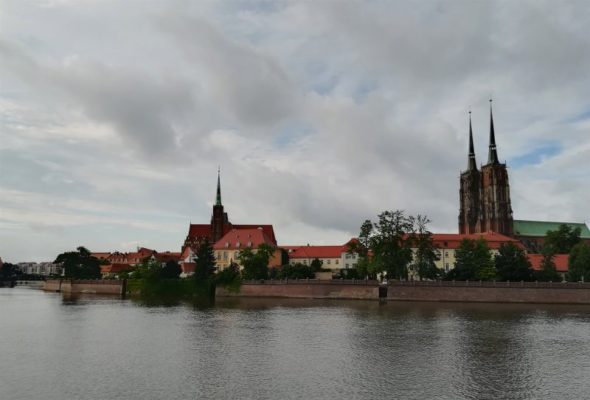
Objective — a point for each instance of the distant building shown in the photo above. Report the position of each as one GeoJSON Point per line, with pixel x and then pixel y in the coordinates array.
{"type": "Point", "coordinates": [335, 258]}
{"type": "Point", "coordinates": [448, 243]}
{"type": "Point", "coordinates": [533, 233]}
{"type": "Point", "coordinates": [227, 249]}
{"type": "Point", "coordinates": [40, 268]}
{"type": "Point", "coordinates": [117, 262]}
{"type": "Point", "coordinates": [560, 261]}
{"type": "Point", "coordinates": [219, 226]}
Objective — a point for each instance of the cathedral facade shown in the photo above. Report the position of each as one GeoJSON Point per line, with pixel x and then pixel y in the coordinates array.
{"type": "Point", "coordinates": [484, 193]}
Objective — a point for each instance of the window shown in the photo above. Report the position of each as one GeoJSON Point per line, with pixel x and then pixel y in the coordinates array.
{"type": "Point", "coordinates": [346, 265]}
{"type": "Point", "coordinates": [329, 262]}
{"type": "Point", "coordinates": [446, 253]}
{"type": "Point", "coordinates": [347, 256]}
{"type": "Point", "coordinates": [336, 262]}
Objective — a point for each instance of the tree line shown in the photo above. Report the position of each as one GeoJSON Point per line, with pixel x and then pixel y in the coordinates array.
{"type": "Point", "coordinates": [399, 246]}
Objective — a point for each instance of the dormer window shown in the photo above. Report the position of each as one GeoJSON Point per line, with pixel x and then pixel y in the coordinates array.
{"type": "Point", "coordinates": [249, 244]}
{"type": "Point", "coordinates": [226, 244]}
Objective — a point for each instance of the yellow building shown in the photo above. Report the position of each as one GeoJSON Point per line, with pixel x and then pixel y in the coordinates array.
{"type": "Point", "coordinates": [227, 249]}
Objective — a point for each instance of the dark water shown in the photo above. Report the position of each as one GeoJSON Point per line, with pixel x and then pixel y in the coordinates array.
{"type": "Point", "coordinates": [106, 348]}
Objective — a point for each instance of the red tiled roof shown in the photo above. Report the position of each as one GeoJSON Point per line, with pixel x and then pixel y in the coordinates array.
{"type": "Point", "coordinates": [114, 268]}
{"type": "Point", "coordinates": [200, 230]}
{"type": "Point", "coordinates": [167, 256]}
{"type": "Point", "coordinates": [100, 255]}
{"type": "Point", "coordinates": [188, 268]}
{"type": "Point", "coordinates": [243, 238]}
{"type": "Point", "coordinates": [453, 240]}
{"type": "Point", "coordinates": [318, 251]}
{"type": "Point", "coordinates": [560, 261]}
{"type": "Point", "coordinates": [204, 230]}
{"type": "Point", "coordinates": [267, 229]}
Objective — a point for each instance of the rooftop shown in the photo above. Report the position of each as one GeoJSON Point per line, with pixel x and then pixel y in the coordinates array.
{"type": "Point", "coordinates": [540, 228]}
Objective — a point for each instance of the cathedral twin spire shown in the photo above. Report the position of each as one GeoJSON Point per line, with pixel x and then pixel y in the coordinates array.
{"type": "Point", "coordinates": [492, 152]}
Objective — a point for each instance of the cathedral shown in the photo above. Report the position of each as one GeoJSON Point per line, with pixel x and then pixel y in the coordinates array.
{"type": "Point", "coordinates": [485, 193]}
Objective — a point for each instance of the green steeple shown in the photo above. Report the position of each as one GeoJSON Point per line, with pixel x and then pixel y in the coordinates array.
{"type": "Point", "coordinates": [218, 197]}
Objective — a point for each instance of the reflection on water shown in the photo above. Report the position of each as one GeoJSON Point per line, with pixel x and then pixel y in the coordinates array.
{"type": "Point", "coordinates": [93, 347]}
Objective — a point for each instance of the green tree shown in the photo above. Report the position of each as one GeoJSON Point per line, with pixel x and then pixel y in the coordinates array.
{"type": "Point", "coordinates": [8, 272]}
{"type": "Point", "coordinates": [296, 271]}
{"type": "Point", "coordinates": [548, 272]}
{"type": "Point", "coordinates": [255, 264]}
{"type": "Point", "coordinates": [385, 246]}
{"type": "Point", "coordinates": [392, 251]}
{"type": "Point", "coordinates": [316, 265]}
{"type": "Point", "coordinates": [361, 246]}
{"type": "Point", "coordinates": [579, 262]}
{"type": "Point", "coordinates": [79, 264]}
{"type": "Point", "coordinates": [562, 240]}
{"type": "Point", "coordinates": [512, 264]}
{"type": "Point", "coordinates": [204, 262]}
{"type": "Point", "coordinates": [149, 270]}
{"type": "Point", "coordinates": [229, 278]}
{"type": "Point", "coordinates": [426, 255]}
{"type": "Point", "coordinates": [171, 270]}
{"type": "Point", "coordinates": [473, 261]}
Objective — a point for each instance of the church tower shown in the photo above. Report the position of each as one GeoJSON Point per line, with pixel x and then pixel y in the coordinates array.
{"type": "Point", "coordinates": [219, 217]}
{"type": "Point", "coordinates": [495, 191]}
{"type": "Point", "coordinates": [469, 192]}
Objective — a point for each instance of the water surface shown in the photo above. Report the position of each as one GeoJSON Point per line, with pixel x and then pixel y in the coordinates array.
{"type": "Point", "coordinates": [53, 347]}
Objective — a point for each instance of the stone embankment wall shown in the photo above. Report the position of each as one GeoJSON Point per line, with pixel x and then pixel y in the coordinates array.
{"type": "Point", "coordinates": [491, 292]}
{"type": "Point", "coordinates": [86, 286]}
{"type": "Point", "coordinates": [485, 292]}
{"type": "Point", "coordinates": [306, 289]}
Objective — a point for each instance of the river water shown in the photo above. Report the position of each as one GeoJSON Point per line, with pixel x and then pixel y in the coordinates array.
{"type": "Point", "coordinates": [53, 347]}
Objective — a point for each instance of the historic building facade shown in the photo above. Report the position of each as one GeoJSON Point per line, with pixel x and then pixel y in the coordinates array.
{"type": "Point", "coordinates": [485, 194]}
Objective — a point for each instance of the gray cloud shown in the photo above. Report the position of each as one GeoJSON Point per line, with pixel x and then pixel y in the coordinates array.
{"type": "Point", "coordinates": [321, 114]}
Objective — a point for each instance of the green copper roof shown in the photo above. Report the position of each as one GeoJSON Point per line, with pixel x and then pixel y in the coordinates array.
{"type": "Point", "coordinates": [540, 228]}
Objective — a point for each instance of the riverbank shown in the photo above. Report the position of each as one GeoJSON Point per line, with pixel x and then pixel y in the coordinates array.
{"type": "Point", "coordinates": [99, 286]}
{"type": "Point", "coordinates": [441, 291]}
{"type": "Point", "coordinates": [468, 292]}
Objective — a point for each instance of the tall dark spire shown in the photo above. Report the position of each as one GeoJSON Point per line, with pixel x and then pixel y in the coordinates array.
{"type": "Point", "coordinates": [471, 165]}
{"type": "Point", "coordinates": [492, 154]}
{"type": "Point", "coordinates": [218, 197]}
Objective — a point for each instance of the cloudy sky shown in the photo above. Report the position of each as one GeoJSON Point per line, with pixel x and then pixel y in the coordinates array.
{"type": "Point", "coordinates": [114, 116]}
